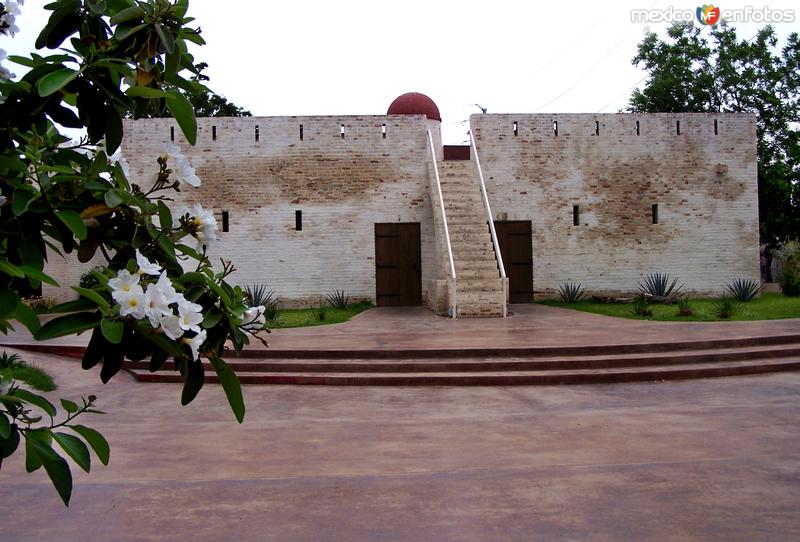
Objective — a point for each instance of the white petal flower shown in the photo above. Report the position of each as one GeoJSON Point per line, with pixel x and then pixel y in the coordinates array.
{"type": "Point", "coordinates": [195, 343]}
{"type": "Point", "coordinates": [157, 305]}
{"type": "Point", "coordinates": [132, 303]}
{"type": "Point", "coordinates": [206, 226]}
{"type": "Point", "coordinates": [2, 198]}
{"type": "Point", "coordinates": [146, 267]}
{"type": "Point", "coordinates": [184, 172]}
{"type": "Point", "coordinates": [171, 150]}
{"type": "Point", "coordinates": [124, 281]}
{"type": "Point", "coordinates": [170, 325]}
{"type": "Point", "coordinates": [190, 315]}
{"type": "Point", "coordinates": [253, 318]}
{"type": "Point", "coordinates": [117, 158]}
{"type": "Point", "coordinates": [167, 290]}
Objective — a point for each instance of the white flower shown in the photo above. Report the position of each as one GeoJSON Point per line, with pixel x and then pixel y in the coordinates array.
{"type": "Point", "coordinates": [123, 282]}
{"type": "Point", "coordinates": [166, 289]}
{"type": "Point", "coordinates": [171, 150]}
{"type": "Point", "coordinates": [206, 226]}
{"type": "Point", "coordinates": [123, 163]}
{"type": "Point", "coordinates": [132, 303]}
{"type": "Point", "coordinates": [5, 74]}
{"type": "Point", "coordinates": [157, 305]}
{"type": "Point", "coordinates": [195, 343]}
{"type": "Point", "coordinates": [170, 325]}
{"type": "Point", "coordinates": [184, 172]}
{"type": "Point", "coordinates": [190, 315]}
{"type": "Point", "coordinates": [146, 267]}
{"type": "Point", "coordinates": [253, 317]}
{"type": "Point", "coordinates": [8, 20]}
{"type": "Point", "coordinates": [2, 198]}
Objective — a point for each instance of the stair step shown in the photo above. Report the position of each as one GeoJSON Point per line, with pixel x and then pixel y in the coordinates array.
{"type": "Point", "coordinates": [506, 378]}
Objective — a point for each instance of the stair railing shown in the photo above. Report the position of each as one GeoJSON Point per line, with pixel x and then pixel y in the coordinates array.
{"type": "Point", "coordinates": [495, 243]}
{"type": "Point", "coordinates": [452, 292]}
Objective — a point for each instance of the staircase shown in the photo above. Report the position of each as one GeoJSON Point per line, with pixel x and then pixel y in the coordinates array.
{"type": "Point", "coordinates": [479, 287]}
{"type": "Point", "coordinates": [505, 366]}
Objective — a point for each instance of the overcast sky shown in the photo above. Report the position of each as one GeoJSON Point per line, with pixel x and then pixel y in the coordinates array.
{"type": "Point", "coordinates": [353, 57]}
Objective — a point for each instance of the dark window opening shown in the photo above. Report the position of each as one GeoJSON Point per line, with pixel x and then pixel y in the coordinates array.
{"type": "Point", "coordinates": [213, 133]}
{"type": "Point", "coordinates": [678, 127]}
{"type": "Point", "coordinates": [301, 132]}
{"type": "Point", "coordinates": [654, 212]}
{"type": "Point", "coordinates": [576, 215]}
{"type": "Point", "coordinates": [716, 127]}
{"type": "Point", "coordinates": [597, 127]}
{"type": "Point", "coordinates": [341, 130]}
{"type": "Point", "coordinates": [225, 221]}
{"type": "Point", "coordinates": [172, 133]}
{"type": "Point", "coordinates": [298, 220]}
{"type": "Point", "coordinates": [637, 127]}
{"type": "Point", "coordinates": [555, 128]}
{"type": "Point", "coordinates": [516, 128]}
{"type": "Point", "coordinates": [257, 133]}
{"type": "Point", "coordinates": [383, 130]}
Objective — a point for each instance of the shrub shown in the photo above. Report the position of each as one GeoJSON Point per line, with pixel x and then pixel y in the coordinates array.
{"type": "Point", "coordinates": [790, 278]}
{"type": "Point", "coordinates": [10, 362]}
{"type": "Point", "coordinates": [319, 313]}
{"type": "Point", "coordinates": [684, 307]}
{"type": "Point", "coordinates": [641, 307]}
{"type": "Point", "coordinates": [660, 287]}
{"type": "Point", "coordinates": [339, 299]}
{"type": "Point", "coordinates": [257, 294]}
{"type": "Point", "coordinates": [726, 306]}
{"type": "Point", "coordinates": [744, 289]}
{"type": "Point", "coordinates": [88, 279]}
{"type": "Point", "coordinates": [571, 292]}
{"type": "Point", "coordinates": [40, 304]}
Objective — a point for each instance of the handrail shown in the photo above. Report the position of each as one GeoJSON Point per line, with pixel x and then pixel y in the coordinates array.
{"type": "Point", "coordinates": [446, 229]}
{"type": "Point", "coordinates": [495, 243]}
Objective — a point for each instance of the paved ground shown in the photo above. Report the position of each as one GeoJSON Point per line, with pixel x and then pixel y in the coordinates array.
{"type": "Point", "coordinates": [699, 460]}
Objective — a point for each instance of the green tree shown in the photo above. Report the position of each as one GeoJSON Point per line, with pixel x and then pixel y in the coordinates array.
{"type": "Point", "coordinates": [157, 296]}
{"type": "Point", "coordinates": [690, 72]}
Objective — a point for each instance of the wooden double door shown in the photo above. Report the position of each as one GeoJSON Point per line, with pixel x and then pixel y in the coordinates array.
{"type": "Point", "coordinates": [398, 265]}
{"type": "Point", "coordinates": [516, 247]}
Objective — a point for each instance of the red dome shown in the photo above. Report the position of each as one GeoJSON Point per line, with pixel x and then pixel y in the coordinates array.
{"type": "Point", "coordinates": [414, 103]}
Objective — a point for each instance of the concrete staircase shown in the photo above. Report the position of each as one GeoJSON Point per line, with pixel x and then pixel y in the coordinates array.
{"type": "Point", "coordinates": [478, 283]}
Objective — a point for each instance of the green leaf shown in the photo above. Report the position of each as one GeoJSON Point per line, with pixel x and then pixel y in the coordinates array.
{"type": "Point", "coordinates": [75, 448]}
{"type": "Point", "coordinates": [92, 295]}
{"type": "Point", "coordinates": [75, 305]}
{"type": "Point", "coordinates": [129, 14]}
{"type": "Point", "coordinates": [192, 381]}
{"type": "Point", "coordinates": [172, 62]}
{"type": "Point", "coordinates": [164, 216]}
{"type": "Point", "coordinates": [69, 406]}
{"type": "Point", "coordinates": [5, 426]}
{"type": "Point", "coordinates": [55, 81]}
{"type": "Point", "coordinates": [157, 360]}
{"type": "Point", "coordinates": [11, 443]}
{"type": "Point", "coordinates": [10, 269]}
{"type": "Point", "coordinates": [38, 275]}
{"type": "Point", "coordinates": [22, 199]}
{"type": "Point", "coordinates": [166, 38]}
{"type": "Point", "coordinates": [162, 341]}
{"type": "Point", "coordinates": [12, 164]}
{"type": "Point", "coordinates": [97, 441]}
{"type": "Point", "coordinates": [113, 128]}
{"type": "Point", "coordinates": [181, 108]}
{"type": "Point", "coordinates": [8, 302]}
{"type": "Point", "coordinates": [21, 60]}
{"type": "Point", "coordinates": [145, 92]}
{"type": "Point", "coordinates": [211, 319]}
{"type": "Point", "coordinates": [36, 400]}
{"type": "Point", "coordinates": [69, 324]}
{"type": "Point", "coordinates": [112, 330]}
{"type": "Point", "coordinates": [56, 467]}
{"type": "Point", "coordinates": [32, 460]}
{"type": "Point", "coordinates": [27, 317]}
{"type": "Point", "coordinates": [114, 198]}
{"type": "Point", "coordinates": [231, 385]}
{"type": "Point", "coordinates": [73, 221]}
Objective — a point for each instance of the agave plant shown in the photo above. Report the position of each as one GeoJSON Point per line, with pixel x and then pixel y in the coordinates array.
{"type": "Point", "coordinates": [339, 299]}
{"type": "Point", "coordinates": [571, 292]}
{"type": "Point", "coordinates": [641, 307]}
{"type": "Point", "coordinates": [319, 313]}
{"type": "Point", "coordinates": [257, 294]}
{"type": "Point", "coordinates": [10, 361]}
{"type": "Point", "coordinates": [726, 306]}
{"type": "Point", "coordinates": [744, 289]}
{"type": "Point", "coordinates": [660, 287]}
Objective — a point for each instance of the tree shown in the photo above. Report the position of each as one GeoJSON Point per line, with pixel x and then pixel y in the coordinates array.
{"type": "Point", "coordinates": [689, 74]}
{"type": "Point", "coordinates": [158, 295]}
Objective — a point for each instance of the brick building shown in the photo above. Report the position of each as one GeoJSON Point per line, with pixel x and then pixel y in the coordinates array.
{"type": "Point", "coordinates": [309, 205]}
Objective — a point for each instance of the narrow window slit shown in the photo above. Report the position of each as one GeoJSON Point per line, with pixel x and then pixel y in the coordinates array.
{"type": "Point", "coordinates": [213, 133]}
{"type": "Point", "coordinates": [341, 131]}
{"type": "Point", "coordinates": [678, 127]}
{"type": "Point", "coordinates": [225, 221]}
{"type": "Point", "coordinates": [576, 215]}
{"type": "Point", "coordinates": [172, 133]}
{"type": "Point", "coordinates": [654, 212]}
{"type": "Point", "coordinates": [298, 220]}
{"type": "Point", "coordinates": [516, 128]}
{"type": "Point", "coordinates": [301, 132]}
{"type": "Point", "coordinates": [597, 127]}
{"type": "Point", "coordinates": [555, 128]}
{"type": "Point", "coordinates": [257, 132]}
{"type": "Point", "coordinates": [637, 127]}
{"type": "Point", "coordinates": [716, 127]}
{"type": "Point", "coordinates": [383, 130]}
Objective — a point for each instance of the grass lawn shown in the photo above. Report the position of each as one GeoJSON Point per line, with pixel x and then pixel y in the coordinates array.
{"type": "Point", "coordinates": [769, 306]}
{"type": "Point", "coordinates": [33, 376]}
{"type": "Point", "coordinates": [306, 317]}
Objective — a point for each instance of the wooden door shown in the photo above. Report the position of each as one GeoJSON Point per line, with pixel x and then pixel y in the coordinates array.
{"type": "Point", "coordinates": [398, 270]}
{"type": "Point", "coordinates": [516, 247]}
